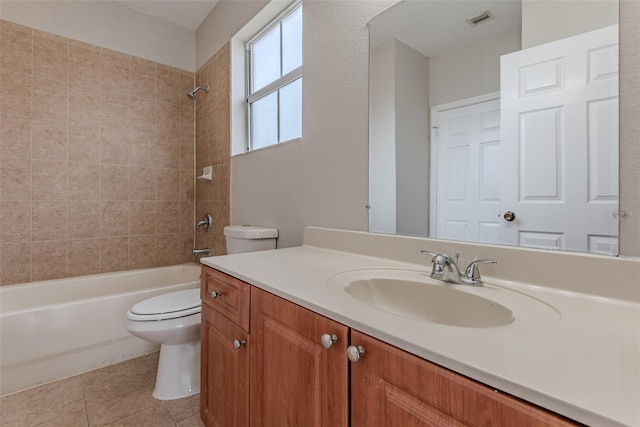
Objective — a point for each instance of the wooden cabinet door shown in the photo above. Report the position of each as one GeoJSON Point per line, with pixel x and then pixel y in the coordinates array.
{"type": "Point", "coordinates": [390, 387]}
{"type": "Point", "coordinates": [295, 381]}
{"type": "Point", "coordinates": [224, 388]}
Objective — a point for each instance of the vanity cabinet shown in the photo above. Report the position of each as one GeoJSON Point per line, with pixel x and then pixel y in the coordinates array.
{"type": "Point", "coordinates": [226, 345]}
{"type": "Point", "coordinates": [390, 387]}
{"type": "Point", "coordinates": [292, 369]}
{"type": "Point", "coordinates": [295, 380]}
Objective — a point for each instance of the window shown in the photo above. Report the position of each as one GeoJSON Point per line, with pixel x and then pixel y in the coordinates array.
{"type": "Point", "coordinates": [274, 81]}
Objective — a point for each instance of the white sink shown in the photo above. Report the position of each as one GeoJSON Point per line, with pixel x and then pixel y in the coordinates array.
{"type": "Point", "coordinates": [414, 295]}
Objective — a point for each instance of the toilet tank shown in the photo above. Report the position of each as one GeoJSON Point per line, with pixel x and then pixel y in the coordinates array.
{"type": "Point", "coordinates": [249, 238]}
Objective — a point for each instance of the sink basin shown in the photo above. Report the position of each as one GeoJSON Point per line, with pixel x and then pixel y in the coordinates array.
{"type": "Point", "coordinates": [414, 295]}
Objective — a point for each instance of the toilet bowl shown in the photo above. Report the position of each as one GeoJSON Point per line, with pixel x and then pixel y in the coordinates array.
{"type": "Point", "coordinates": [173, 321]}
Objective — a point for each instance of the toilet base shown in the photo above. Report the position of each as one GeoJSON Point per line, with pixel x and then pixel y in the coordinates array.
{"type": "Point", "coordinates": [178, 371]}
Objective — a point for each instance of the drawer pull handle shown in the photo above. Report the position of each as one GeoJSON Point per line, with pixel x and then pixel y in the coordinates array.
{"type": "Point", "coordinates": [328, 340]}
{"type": "Point", "coordinates": [238, 343]}
{"type": "Point", "coordinates": [215, 294]}
{"type": "Point", "coordinates": [354, 353]}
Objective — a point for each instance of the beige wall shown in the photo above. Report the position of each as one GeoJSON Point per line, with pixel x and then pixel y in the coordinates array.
{"type": "Point", "coordinates": [212, 149]}
{"type": "Point", "coordinates": [96, 159]}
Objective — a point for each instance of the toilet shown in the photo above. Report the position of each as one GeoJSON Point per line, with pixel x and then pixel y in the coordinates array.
{"type": "Point", "coordinates": [173, 321]}
{"type": "Point", "coordinates": [249, 238]}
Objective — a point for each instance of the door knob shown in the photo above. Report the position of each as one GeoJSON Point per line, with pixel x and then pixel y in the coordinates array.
{"type": "Point", "coordinates": [328, 340]}
{"type": "Point", "coordinates": [509, 216]}
{"type": "Point", "coordinates": [238, 343]}
{"type": "Point", "coordinates": [215, 294]}
{"type": "Point", "coordinates": [354, 353]}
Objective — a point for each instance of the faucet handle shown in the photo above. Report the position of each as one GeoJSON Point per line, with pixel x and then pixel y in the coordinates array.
{"type": "Point", "coordinates": [426, 252]}
{"type": "Point", "coordinates": [472, 273]}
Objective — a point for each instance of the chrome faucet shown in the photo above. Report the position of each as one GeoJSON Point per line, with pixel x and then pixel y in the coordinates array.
{"type": "Point", "coordinates": [445, 268]}
{"type": "Point", "coordinates": [199, 252]}
{"type": "Point", "coordinates": [206, 222]}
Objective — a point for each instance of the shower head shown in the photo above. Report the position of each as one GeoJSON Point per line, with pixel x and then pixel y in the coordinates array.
{"type": "Point", "coordinates": [192, 94]}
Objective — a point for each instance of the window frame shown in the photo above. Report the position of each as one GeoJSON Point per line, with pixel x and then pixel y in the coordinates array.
{"type": "Point", "coordinates": [274, 86]}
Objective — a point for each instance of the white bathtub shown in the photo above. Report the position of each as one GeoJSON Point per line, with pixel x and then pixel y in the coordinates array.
{"type": "Point", "coordinates": [58, 328]}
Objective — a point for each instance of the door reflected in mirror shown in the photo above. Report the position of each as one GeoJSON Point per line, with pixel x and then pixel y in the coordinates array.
{"type": "Point", "coordinates": [496, 122]}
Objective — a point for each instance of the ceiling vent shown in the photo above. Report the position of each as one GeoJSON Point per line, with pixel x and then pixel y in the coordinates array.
{"type": "Point", "coordinates": [482, 17]}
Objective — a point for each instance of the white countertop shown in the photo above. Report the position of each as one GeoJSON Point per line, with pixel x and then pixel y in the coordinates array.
{"type": "Point", "coordinates": [586, 365]}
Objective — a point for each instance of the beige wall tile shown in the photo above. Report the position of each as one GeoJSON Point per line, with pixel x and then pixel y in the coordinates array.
{"type": "Point", "coordinates": [84, 143]}
{"type": "Point", "coordinates": [168, 152]}
{"type": "Point", "coordinates": [84, 257]}
{"type": "Point", "coordinates": [16, 48]}
{"type": "Point", "coordinates": [84, 219]}
{"type": "Point", "coordinates": [143, 183]}
{"type": "Point", "coordinates": [114, 182]}
{"type": "Point", "coordinates": [48, 260]}
{"type": "Point", "coordinates": [114, 69]}
{"type": "Point", "coordinates": [15, 221]}
{"type": "Point", "coordinates": [168, 119]}
{"type": "Point", "coordinates": [84, 181]}
{"type": "Point", "coordinates": [84, 106]}
{"type": "Point", "coordinates": [49, 220]}
{"type": "Point", "coordinates": [49, 139]}
{"type": "Point", "coordinates": [114, 111]}
{"type": "Point", "coordinates": [15, 93]}
{"type": "Point", "coordinates": [90, 139]}
{"type": "Point", "coordinates": [50, 56]}
{"type": "Point", "coordinates": [114, 254]}
{"type": "Point", "coordinates": [49, 180]}
{"type": "Point", "coordinates": [167, 217]}
{"type": "Point", "coordinates": [15, 136]}
{"type": "Point", "coordinates": [167, 184]}
{"type": "Point", "coordinates": [84, 65]}
{"type": "Point", "coordinates": [143, 217]}
{"type": "Point", "coordinates": [50, 99]}
{"type": "Point", "coordinates": [114, 147]}
{"type": "Point", "coordinates": [143, 148]}
{"type": "Point", "coordinates": [143, 114]}
{"type": "Point", "coordinates": [114, 218]}
{"type": "Point", "coordinates": [143, 78]}
{"type": "Point", "coordinates": [143, 251]}
{"type": "Point", "coordinates": [15, 179]}
{"type": "Point", "coordinates": [203, 147]}
{"type": "Point", "coordinates": [15, 262]}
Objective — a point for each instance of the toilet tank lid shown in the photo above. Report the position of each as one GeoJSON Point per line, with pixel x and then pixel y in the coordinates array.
{"type": "Point", "coordinates": [250, 232]}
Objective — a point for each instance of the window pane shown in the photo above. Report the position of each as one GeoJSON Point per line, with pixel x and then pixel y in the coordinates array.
{"type": "Point", "coordinates": [265, 62]}
{"type": "Point", "coordinates": [264, 121]}
{"type": "Point", "coordinates": [291, 111]}
{"type": "Point", "coordinates": [292, 41]}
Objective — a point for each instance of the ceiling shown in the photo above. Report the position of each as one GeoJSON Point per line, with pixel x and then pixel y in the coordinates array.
{"type": "Point", "coordinates": [187, 13]}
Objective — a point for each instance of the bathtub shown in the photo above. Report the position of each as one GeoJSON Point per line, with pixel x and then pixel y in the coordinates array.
{"type": "Point", "coordinates": [57, 328]}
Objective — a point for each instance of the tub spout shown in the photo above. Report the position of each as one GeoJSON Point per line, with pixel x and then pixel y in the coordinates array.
{"type": "Point", "coordinates": [199, 252]}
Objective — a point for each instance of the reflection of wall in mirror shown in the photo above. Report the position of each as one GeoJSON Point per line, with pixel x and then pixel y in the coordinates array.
{"type": "Point", "coordinates": [544, 21]}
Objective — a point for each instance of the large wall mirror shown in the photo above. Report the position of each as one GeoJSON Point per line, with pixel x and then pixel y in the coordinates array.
{"type": "Point", "coordinates": [496, 122]}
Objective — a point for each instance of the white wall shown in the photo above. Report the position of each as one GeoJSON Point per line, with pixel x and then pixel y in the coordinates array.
{"type": "Point", "coordinates": [322, 179]}
{"type": "Point", "coordinates": [108, 24]}
{"type": "Point", "coordinates": [382, 147]}
{"type": "Point", "coordinates": [544, 21]}
{"type": "Point", "coordinates": [225, 20]}
{"type": "Point", "coordinates": [471, 71]}
{"type": "Point", "coordinates": [412, 141]}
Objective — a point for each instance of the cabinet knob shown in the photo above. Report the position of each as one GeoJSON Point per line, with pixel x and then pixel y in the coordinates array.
{"type": "Point", "coordinates": [238, 343]}
{"type": "Point", "coordinates": [354, 353]}
{"type": "Point", "coordinates": [328, 340]}
{"type": "Point", "coordinates": [215, 294]}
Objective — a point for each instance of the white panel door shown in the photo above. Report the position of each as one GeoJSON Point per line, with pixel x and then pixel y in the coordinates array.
{"type": "Point", "coordinates": [468, 173]}
{"type": "Point", "coordinates": [559, 104]}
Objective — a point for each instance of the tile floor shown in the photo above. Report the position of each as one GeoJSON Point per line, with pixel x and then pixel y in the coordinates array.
{"type": "Point", "coordinates": [117, 395]}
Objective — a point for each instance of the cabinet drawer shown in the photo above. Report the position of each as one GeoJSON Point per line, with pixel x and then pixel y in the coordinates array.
{"type": "Point", "coordinates": [226, 295]}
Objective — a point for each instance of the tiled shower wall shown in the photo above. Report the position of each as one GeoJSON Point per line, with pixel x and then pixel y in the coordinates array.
{"type": "Point", "coordinates": [96, 159]}
{"type": "Point", "coordinates": [213, 149]}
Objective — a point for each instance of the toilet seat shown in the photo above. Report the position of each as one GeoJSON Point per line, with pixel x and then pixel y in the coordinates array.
{"type": "Point", "coordinates": [167, 306]}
